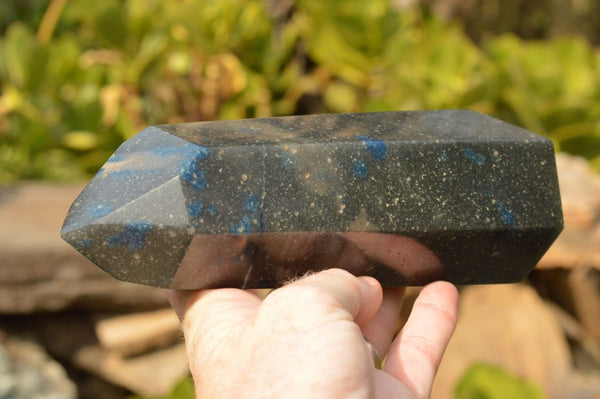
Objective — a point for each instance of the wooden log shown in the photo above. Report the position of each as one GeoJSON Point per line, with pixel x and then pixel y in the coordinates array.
{"type": "Point", "coordinates": [136, 333]}
{"type": "Point", "coordinates": [152, 374]}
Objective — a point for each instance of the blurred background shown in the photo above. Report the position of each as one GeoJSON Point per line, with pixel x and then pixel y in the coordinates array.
{"type": "Point", "coordinates": [77, 78]}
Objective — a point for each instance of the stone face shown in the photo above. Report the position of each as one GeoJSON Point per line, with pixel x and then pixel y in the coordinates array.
{"type": "Point", "coordinates": [407, 197]}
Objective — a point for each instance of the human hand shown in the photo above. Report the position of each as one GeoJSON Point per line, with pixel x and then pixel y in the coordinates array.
{"type": "Point", "coordinates": [307, 339]}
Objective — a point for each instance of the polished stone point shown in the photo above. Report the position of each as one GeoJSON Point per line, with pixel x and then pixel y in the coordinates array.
{"type": "Point", "coordinates": [406, 197]}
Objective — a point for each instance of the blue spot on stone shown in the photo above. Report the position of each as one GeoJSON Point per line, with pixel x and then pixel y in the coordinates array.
{"type": "Point", "coordinates": [377, 147]}
{"type": "Point", "coordinates": [199, 152]}
{"type": "Point", "coordinates": [246, 223]}
{"type": "Point", "coordinates": [443, 157]}
{"type": "Point", "coordinates": [133, 236]}
{"type": "Point", "coordinates": [190, 170]}
{"type": "Point", "coordinates": [477, 157]}
{"type": "Point", "coordinates": [360, 169]}
{"type": "Point", "coordinates": [196, 178]}
{"type": "Point", "coordinates": [212, 210]}
{"type": "Point", "coordinates": [100, 210]}
{"type": "Point", "coordinates": [245, 226]}
{"type": "Point", "coordinates": [289, 160]}
{"type": "Point", "coordinates": [507, 217]}
{"type": "Point", "coordinates": [251, 203]}
{"type": "Point", "coordinates": [81, 244]}
{"type": "Point", "coordinates": [194, 209]}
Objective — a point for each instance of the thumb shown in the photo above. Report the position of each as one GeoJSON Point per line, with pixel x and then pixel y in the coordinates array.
{"type": "Point", "coordinates": [212, 310]}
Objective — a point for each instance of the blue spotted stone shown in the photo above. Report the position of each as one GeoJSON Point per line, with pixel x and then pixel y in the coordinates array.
{"type": "Point", "coordinates": [288, 159]}
{"type": "Point", "coordinates": [133, 236]}
{"type": "Point", "coordinates": [474, 156]}
{"type": "Point", "coordinates": [212, 210]}
{"type": "Point", "coordinates": [245, 226]}
{"type": "Point", "coordinates": [378, 147]}
{"type": "Point", "coordinates": [195, 209]}
{"type": "Point", "coordinates": [194, 176]}
{"type": "Point", "coordinates": [406, 197]}
{"type": "Point", "coordinates": [251, 203]}
{"type": "Point", "coordinates": [507, 217]}
{"type": "Point", "coordinates": [360, 169]}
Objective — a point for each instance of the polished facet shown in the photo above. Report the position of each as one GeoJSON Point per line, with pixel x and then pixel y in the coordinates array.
{"type": "Point", "coordinates": [407, 197]}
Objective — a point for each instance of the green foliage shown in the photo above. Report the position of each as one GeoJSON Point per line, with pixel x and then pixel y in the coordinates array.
{"type": "Point", "coordinates": [110, 68]}
{"type": "Point", "coordinates": [484, 381]}
{"type": "Point", "coordinates": [183, 390]}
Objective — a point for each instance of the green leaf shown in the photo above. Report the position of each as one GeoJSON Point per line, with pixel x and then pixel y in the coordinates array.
{"type": "Point", "coordinates": [340, 97]}
{"type": "Point", "coordinates": [23, 59]}
{"type": "Point", "coordinates": [151, 48]}
{"type": "Point", "coordinates": [484, 381]}
{"type": "Point", "coordinates": [183, 390]}
{"type": "Point", "coordinates": [80, 140]}
{"type": "Point", "coordinates": [114, 66]}
{"type": "Point", "coordinates": [111, 25]}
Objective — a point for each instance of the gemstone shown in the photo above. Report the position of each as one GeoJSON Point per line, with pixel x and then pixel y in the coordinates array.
{"type": "Point", "coordinates": [406, 197]}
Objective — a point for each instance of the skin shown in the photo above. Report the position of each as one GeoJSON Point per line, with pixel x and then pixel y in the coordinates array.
{"type": "Point", "coordinates": [307, 339]}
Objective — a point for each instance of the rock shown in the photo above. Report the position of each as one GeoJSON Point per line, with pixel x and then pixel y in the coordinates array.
{"type": "Point", "coordinates": [579, 243]}
{"type": "Point", "coordinates": [252, 203]}
{"type": "Point", "coordinates": [576, 290]}
{"type": "Point", "coordinates": [71, 338]}
{"type": "Point", "coordinates": [585, 289]}
{"type": "Point", "coordinates": [509, 326]}
{"type": "Point", "coordinates": [40, 272]}
{"type": "Point", "coordinates": [585, 348]}
{"type": "Point", "coordinates": [27, 372]}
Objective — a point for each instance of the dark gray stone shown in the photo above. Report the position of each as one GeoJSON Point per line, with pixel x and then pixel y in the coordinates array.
{"type": "Point", "coordinates": [407, 197]}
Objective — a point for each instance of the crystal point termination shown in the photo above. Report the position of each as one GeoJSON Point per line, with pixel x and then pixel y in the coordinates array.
{"type": "Point", "coordinates": [407, 197]}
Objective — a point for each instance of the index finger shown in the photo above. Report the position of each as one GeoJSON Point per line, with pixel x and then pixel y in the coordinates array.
{"type": "Point", "coordinates": [415, 354]}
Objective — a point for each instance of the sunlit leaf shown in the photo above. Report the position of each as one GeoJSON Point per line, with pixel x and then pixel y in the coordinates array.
{"type": "Point", "coordinates": [484, 381]}
{"type": "Point", "coordinates": [80, 140]}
